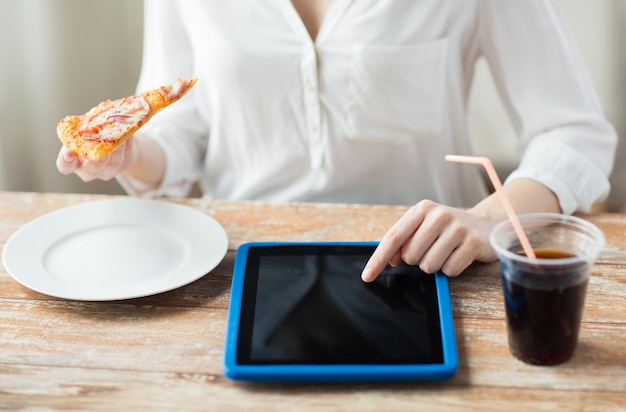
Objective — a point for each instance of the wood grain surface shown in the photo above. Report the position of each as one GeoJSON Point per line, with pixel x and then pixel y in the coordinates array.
{"type": "Point", "coordinates": [165, 352]}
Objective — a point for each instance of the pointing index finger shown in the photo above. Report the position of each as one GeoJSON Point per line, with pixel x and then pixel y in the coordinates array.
{"type": "Point", "coordinates": [391, 244]}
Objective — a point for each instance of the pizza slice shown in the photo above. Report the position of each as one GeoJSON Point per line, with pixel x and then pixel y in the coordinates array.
{"type": "Point", "coordinates": [97, 133]}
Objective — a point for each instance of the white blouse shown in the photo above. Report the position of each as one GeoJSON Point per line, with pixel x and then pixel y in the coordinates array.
{"type": "Point", "coordinates": [367, 112]}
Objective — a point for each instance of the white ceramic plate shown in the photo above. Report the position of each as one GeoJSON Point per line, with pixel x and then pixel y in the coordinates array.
{"type": "Point", "coordinates": [115, 249]}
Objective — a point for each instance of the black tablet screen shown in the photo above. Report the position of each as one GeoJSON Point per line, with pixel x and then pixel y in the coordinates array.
{"type": "Point", "coordinates": [308, 305]}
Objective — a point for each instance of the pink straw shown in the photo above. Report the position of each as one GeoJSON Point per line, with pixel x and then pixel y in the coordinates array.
{"type": "Point", "coordinates": [495, 181]}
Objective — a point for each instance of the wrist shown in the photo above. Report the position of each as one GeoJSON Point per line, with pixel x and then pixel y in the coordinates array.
{"type": "Point", "coordinates": [525, 195]}
{"type": "Point", "coordinates": [148, 166]}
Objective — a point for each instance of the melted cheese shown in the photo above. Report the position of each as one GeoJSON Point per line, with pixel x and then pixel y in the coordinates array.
{"type": "Point", "coordinates": [111, 120]}
{"type": "Point", "coordinates": [176, 89]}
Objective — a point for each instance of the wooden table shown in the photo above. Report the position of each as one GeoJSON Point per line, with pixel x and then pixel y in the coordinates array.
{"type": "Point", "coordinates": [165, 352]}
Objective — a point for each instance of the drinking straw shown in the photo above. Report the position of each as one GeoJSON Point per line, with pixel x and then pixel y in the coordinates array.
{"type": "Point", "coordinates": [495, 181]}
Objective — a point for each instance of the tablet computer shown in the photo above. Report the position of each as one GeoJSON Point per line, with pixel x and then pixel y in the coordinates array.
{"type": "Point", "coordinates": [299, 312]}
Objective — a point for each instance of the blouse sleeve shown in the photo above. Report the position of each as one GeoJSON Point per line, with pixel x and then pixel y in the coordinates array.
{"type": "Point", "coordinates": [178, 129]}
{"type": "Point", "coordinates": [567, 143]}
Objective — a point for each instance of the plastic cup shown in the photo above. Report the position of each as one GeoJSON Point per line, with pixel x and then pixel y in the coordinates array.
{"type": "Point", "coordinates": [544, 297]}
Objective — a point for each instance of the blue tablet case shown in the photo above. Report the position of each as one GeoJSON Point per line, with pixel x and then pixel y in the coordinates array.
{"type": "Point", "coordinates": [290, 275]}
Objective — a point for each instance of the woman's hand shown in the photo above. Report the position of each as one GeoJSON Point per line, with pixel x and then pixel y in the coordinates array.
{"type": "Point", "coordinates": [438, 237]}
{"type": "Point", "coordinates": [119, 161]}
{"type": "Point", "coordinates": [435, 237]}
{"type": "Point", "coordinates": [139, 158]}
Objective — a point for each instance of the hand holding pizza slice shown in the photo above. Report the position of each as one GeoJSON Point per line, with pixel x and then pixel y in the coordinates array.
{"type": "Point", "coordinates": [97, 133]}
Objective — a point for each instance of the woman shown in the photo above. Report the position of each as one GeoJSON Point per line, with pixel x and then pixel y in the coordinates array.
{"type": "Point", "coordinates": [359, 101]}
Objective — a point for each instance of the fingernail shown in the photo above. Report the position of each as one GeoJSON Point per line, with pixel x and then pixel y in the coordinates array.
{"type": "Point", "coordinates": [366, 275]}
